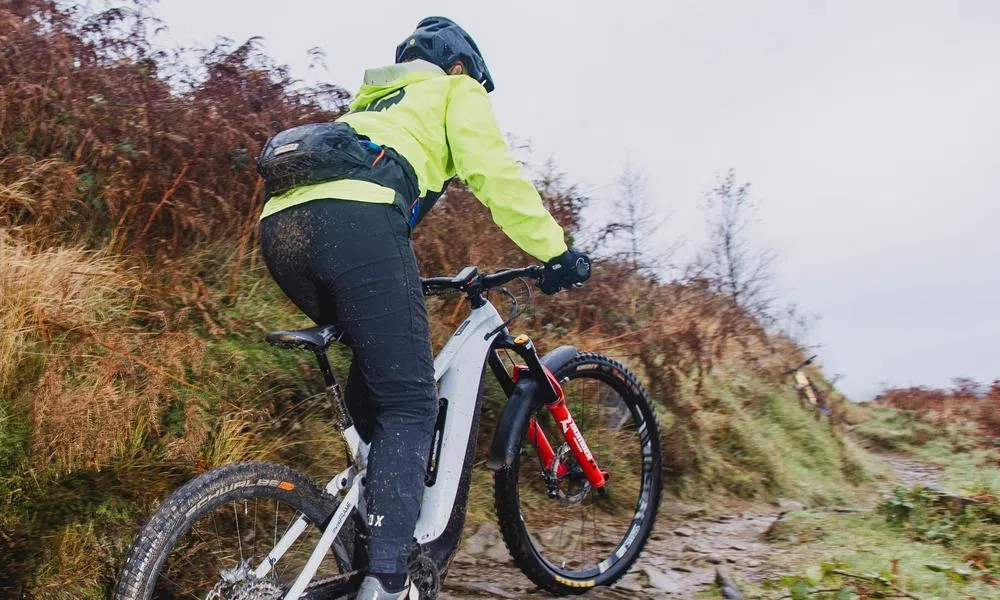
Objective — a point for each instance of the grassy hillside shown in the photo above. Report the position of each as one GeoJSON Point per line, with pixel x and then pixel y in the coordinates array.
{"type": "Point", "coordinates": [107, 411]}
{"type": "Point", "coordinates": [133, 306]}
{"type": "Point", "coordinates": [937, 542]}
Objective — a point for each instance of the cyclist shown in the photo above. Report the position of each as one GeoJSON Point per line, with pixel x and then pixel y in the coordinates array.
{"type": "Point", "coordinates": [335, 237]}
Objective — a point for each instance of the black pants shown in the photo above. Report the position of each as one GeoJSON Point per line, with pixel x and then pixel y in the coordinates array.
{"type": "Point", "coordinates": [349, 262]}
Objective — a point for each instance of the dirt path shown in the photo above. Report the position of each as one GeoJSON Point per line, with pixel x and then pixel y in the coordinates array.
{"type": "Point", "coordinates": [912, 472]}
{"type": "Point", "coordinates": [680, 560]}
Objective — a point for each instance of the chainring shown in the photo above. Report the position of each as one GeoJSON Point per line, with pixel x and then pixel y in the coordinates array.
{"type": "Point", "coordinates": [424, 574]}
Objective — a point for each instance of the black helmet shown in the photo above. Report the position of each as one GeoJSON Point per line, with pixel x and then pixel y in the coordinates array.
{"type": "Point", "coordinates": [442, 42]}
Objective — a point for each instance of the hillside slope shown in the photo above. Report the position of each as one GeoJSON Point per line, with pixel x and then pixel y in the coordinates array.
{"type": "Point", "coordinates": [133, 306]}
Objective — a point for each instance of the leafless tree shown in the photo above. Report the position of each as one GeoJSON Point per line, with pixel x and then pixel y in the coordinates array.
{"type": "Point", "coordinates": [734, 264]}
{"type": "Point", "coordinates": [967, 386]}
{"type": "Point", "coordinates": [635, 220]}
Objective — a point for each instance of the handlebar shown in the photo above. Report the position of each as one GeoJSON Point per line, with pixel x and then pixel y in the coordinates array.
{"type": "Point", "coordinates": [805, 363]}
{"type": "Point", "coordinates": [470, 279]}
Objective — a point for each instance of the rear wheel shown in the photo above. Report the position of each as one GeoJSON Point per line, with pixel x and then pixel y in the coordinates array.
{"type": "Point", "coordinates": [582, 538]}
{"type": "Point", "coordinates": [206, 539]}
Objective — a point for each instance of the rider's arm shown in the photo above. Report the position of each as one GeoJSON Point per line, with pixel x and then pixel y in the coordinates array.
{"type": "Point", "coordinates": [483, 161]}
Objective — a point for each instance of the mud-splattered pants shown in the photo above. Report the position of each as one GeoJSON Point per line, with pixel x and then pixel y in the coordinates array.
{"type": "Point", "coordinates": [350, 263]}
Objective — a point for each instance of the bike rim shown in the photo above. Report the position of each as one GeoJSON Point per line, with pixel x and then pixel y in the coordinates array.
{"type": "Point", "coordinates": [216, 556]}
{"type": "Point", "coordinates": [582, 534]}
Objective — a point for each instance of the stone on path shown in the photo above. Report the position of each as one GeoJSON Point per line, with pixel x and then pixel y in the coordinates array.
{"type": "Point", "coordinates": [631, 583]}
{"type": "Point", "coordinates": [790, 505]}
{"type": "Point", "coordinates": [661, 581]}
{"type": "Point", "coordinates": [684, 531]}
{"type": "Point", "coordinates": [485, 537]}
{"type": "Point", "coordinates": [488, 589]}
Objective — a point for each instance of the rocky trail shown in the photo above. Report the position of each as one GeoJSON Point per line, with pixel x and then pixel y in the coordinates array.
{"type": "Point", "coordinates": [682, 558]}
{"type": "Point", "coordinates": [912, 472]}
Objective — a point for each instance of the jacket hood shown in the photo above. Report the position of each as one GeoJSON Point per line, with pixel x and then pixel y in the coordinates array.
{"type": "Point", "coordinates": [382, 81]}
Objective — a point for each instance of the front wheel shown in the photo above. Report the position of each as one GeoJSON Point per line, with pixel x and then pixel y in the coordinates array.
{"type": "Point", "coordinates": [206, 539]}
{"type": "Point", "coordinates": [572, 538]}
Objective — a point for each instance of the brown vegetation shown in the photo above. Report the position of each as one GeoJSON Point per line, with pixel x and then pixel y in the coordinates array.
{"type": "Point", "coordinates": [965, 402]}
{"type": "Point", "coordinates": [132, 302]}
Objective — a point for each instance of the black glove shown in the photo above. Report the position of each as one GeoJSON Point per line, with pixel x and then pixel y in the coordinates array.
{"type": "Point", "coordinates": [567, 270]}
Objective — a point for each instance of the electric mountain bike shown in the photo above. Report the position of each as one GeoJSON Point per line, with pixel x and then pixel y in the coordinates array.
{"type": "Point", "coordinates": [576, 454]}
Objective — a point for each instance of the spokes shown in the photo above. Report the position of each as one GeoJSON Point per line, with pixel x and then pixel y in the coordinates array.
{"type": "Point", "coordinates": [582, 528]}
{"type": "Point", "coordinates": [217, 556]}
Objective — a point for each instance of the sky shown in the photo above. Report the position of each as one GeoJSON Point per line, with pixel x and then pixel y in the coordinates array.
{"type": "Point", "coordinates": [870, 132]}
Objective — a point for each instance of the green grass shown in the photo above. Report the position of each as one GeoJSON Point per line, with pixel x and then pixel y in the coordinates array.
{"type": "Point", "coordinates": [865, 544]}
{"type": "Point", "coordinates": [762, 444]}
{"type": "Point", "coordinates": [967, 463]}
{"type": "Point", "coordinates": [248, 400]}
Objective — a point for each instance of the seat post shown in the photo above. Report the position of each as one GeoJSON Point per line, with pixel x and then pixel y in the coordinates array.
{"type": "Point", "coordinates": [341, 414]}
{"type": "Point", "coordinates": [324, 365]}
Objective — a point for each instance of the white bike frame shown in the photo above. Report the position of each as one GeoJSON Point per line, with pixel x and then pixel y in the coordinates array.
{"type": "Point", "coordinates": [458, 370]}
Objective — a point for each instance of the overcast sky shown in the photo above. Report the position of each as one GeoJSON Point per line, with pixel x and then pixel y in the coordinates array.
{"type": "Point", "coordinates": [870, 131]}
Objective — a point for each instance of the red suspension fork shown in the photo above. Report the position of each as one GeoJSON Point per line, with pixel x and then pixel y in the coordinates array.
{"type": "Point", "coordinates": [574, 439]}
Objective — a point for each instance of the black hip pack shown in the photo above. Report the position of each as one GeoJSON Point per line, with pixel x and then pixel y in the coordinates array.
{"type": "Point", "coordinates": [321, 152]}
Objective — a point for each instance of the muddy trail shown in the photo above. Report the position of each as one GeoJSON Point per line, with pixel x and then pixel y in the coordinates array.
{"type": "Point", "coordinates": [682, 558]}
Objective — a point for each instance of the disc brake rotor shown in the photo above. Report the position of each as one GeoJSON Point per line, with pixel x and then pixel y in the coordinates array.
{"type": "Point", "coordinates": [573, 486]}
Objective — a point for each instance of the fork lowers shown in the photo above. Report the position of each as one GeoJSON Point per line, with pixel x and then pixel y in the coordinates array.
{"type": "Point", "coordinates": [562, 532]}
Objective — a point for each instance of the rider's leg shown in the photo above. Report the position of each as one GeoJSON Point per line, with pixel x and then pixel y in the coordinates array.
{"type": "Point", "coordinates": [290, 261]}
{"type": "Point", "coordinates": [356, 395]}
{"type": "Point", "coordinates": [381, 307]}
{"type": "Point", "coordinates": [289, 254]}
{"type": "Point", "coordinates": [359, 255]}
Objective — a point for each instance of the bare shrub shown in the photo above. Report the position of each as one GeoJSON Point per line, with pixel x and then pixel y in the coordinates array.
{"type": "Point", "coordinates": [967, 402]}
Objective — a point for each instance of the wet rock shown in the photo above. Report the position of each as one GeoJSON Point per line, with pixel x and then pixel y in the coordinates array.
{"type": "Point", "coordinates": [487, 589]}
{"type": "Point", "coordinates": [485, 537]}
{"type": "Point", "coordinates": [498, 552]}
{"type": "Point", "coordinates": [561, 536]}
{"type": "Point", "coordinates": [631, 583]}
{"type": "Point", "coordinates": [787, 505]}
{"type": "Point", "coordinates": [662, 581]}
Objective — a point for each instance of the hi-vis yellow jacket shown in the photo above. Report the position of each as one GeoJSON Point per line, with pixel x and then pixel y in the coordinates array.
{"type": "Point", "coordinates": [444, 126]}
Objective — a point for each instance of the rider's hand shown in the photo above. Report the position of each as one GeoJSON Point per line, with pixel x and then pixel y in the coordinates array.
{"type": "Point", "coordinates": [569, 269]}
